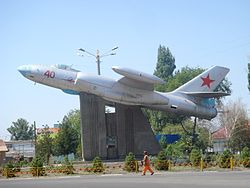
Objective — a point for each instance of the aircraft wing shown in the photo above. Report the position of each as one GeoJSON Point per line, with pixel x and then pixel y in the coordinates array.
{"type": "Point", "coordinates": [137, 79]}
{"type": "Point", "coordinates": [207, 94]}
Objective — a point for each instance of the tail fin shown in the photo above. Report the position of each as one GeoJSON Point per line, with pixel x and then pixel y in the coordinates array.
{"type": "Point", "coordinates": [206, 81]}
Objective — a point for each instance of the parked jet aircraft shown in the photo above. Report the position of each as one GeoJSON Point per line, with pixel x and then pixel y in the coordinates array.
{"type": "Point", "coordinates": [195, 98]}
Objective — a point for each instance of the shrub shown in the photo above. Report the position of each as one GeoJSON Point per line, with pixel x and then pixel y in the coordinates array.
{"type": "Point", "coordinates": [210, 160]}
{"type": "Point", "coordinates": [195, 157]}
{"type": "Point", "coordinates": [37, 168]}
{"type": "Point", "coordinates": [9, 170]}
{"type": "Point", "coordinates": [245, 157]}
{"type": "Point", "coordinates": [97, 165]}
{"type": "Point", "coordinates": [245, 153]}
{"type": "Point", "coordinates": [67, 166]}
{"type": "Point", "coordinates": [224, 161]}
{"type": "Point", "coordinates": [246, 162]}
{"type": "Point", "coordinates": [153, 160]}
{"type": "Point", "coordinates": [131, 165]}
{"type": "Point", "coordinates": [162, 162]}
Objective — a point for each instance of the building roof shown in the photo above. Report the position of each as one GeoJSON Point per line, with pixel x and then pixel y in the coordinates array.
{"type": "Point", "coordinates": [18, 142]}
{"type": "Point", "coordinates": [219, 134]}
{"type": "Point", "coordinates": [3, 146]}
{"type": "Point", "coordinates": [51, 130]}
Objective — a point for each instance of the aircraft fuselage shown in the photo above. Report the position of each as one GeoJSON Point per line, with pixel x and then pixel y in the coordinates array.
{"type": "Point", "coordinates": [74, 82]}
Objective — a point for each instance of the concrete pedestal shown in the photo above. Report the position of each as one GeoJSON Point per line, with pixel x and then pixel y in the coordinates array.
{"type": "Point", "coordinates": [114, 135]}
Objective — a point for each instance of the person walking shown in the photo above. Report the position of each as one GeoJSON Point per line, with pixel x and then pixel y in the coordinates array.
{"type": "Point", "coordinates": [146, 163]}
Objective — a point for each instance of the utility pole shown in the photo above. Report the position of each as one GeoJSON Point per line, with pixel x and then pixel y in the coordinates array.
{"type": "Point", "coordinates": [98, 56]}
{"type": "Point", "coordinates": [35, 135]}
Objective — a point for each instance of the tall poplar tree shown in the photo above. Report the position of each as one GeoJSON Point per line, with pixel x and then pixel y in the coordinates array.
{"type": "Point", "coordinates": [165, 67]}
{"type": "Point", "coordinates": [165, 63]}
{"type": "Point", "coordinates": [249, 76]}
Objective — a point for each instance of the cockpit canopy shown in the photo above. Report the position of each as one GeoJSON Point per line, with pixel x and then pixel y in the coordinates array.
{"type": "Point", "coordinates": [65, 67]}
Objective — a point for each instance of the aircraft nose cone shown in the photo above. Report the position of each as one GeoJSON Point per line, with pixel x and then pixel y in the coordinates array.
{"type": "Point", "coordinates": [23, 69]}
{"type": "Point", "coordinates": [20, 68]}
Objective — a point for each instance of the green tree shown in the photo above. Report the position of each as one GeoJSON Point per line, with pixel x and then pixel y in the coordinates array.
{"type": "Point", "coordinates": [240, 137]}
{"type": "Point", "coordinates": [74, 118]}
{"type": "Point", "coordinates": [163, 142]}
{"type": "Point", "coordinates": [249, 76]}
{"type": "Point", "coordinates": [195, 157]}
{"type": "Point", "coordinates": [165, 63]}
{"type": "Point", "coordinates": [235, 121]}
{"type": "Point", "coordinates": [224, 86]}
{"type": "Point", "coordinates": [202, 139]}
{"type": "Point", "coordinates": [176, 150]}
{"type": "Point", "coordinates": [21, 130]}
{"type": "Point", "coordinates": [44, 145]}
{"type": "Point", "coordinates": [190, 138]}
{"type": "Point", "coordinates": [179, 148]}
{"type": "Point", "coordinates": [67, 138]}
{"type": "Point", "coordinates": [198, 134]}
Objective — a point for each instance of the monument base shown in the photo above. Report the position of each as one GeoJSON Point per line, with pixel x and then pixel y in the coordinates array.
{"type": "Point", "coordinates": [114, 135]}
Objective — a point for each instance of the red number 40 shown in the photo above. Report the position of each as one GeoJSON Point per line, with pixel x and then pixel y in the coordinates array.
{"type": "Point", "coordinates": [50, 74]}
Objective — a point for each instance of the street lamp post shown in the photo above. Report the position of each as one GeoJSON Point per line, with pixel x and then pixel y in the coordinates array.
{"type": "Point", "coordinates": [98, 56]}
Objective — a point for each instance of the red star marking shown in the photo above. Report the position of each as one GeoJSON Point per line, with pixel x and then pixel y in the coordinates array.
{"type": "Point", "coordinates": [206, 81]}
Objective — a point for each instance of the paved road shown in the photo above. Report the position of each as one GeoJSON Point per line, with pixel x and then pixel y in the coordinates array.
{"type": "Point", "coordinates": [166, 180]}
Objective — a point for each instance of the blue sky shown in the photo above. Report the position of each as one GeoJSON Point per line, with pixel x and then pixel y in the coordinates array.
{"type": "Point", "coordinates": [198, 33]}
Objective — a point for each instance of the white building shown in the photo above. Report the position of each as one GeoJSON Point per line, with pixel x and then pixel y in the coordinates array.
{"type": "Point", "coordinates": [17, 148]}
{"type": "Point", "coordinates": [219, 139]}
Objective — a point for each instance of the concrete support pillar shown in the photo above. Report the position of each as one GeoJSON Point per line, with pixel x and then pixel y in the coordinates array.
{"type": "Point", "coordinates": [93, 126]}
{"type": "Point", "coordinates": [134, 132]}
{"type": "Point", "coordinates": [128, 130]}
{"type": "Point", "coordinates": [144, 137]}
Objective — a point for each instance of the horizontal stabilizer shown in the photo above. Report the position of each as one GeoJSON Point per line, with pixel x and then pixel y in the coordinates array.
{"type": "Point", "coordinates": [207, 94]}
